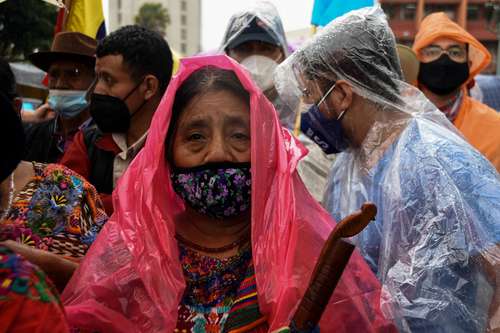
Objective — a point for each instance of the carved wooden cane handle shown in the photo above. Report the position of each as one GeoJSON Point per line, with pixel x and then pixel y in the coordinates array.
{"type": "Point", "coordinates": [331, 263]}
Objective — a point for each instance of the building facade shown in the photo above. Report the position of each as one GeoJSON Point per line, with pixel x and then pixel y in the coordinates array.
{"type": "Point", "coordinates": [295, 38]}
{"type": "Point", "coordinates": [184, 31]}
{"type": "Point", "coordinates": [405, 15]}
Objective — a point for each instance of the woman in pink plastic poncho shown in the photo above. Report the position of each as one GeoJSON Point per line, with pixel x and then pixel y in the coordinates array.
{"type": "Point", "coordinates": [146, 272]}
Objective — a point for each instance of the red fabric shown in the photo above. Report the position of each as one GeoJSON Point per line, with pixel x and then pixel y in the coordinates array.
{"type": "Point", "coordinates": [132, 280]}
{"type": "Point", "coordinates": [59, 22]}
{"type": "Point", "coordinates": [22, 315]}
{"type": "Point", "coordinates": [29, 302]}
{"type": "Point", "coordinates": [76, 158]}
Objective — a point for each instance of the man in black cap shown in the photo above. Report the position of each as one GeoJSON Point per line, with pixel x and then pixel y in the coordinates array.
{"type": "Point", "coordinates": [70, 68]}
{"type": "Point", "coordinates": [255, 38]}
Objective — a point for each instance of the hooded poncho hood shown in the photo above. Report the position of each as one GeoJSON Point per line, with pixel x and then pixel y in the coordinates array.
{"type": "Point", "coordinates": [439, 25]}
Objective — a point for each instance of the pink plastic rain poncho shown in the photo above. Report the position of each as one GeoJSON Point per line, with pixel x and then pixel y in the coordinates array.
{"type": "Point", "coordinates": [131, 279]}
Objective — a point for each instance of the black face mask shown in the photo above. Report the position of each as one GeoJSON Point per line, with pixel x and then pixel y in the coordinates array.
{"type": "Point", "coordinates": [443, 76]}
{"type": "Point", "coordinates": [111, 114]}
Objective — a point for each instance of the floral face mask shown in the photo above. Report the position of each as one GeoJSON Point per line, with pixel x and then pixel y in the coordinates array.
{"type": "Point", "coordinates": [219, 190]}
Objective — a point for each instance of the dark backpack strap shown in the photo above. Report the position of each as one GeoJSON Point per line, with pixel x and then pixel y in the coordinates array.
{"type": "Point", "coordinates": [101, 161]}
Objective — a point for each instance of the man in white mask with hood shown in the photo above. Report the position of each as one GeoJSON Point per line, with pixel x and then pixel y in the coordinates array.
{"type": "Point", "coordinates": [256, 39]}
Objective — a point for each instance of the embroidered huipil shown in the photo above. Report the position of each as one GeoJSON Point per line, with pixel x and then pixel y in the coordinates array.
{"type": "Point", "coordinates": [220, 294]}
{"type": "Point", "coordinates": [29, 302]}
{"type": "Point", "coordinates": [57, 211]}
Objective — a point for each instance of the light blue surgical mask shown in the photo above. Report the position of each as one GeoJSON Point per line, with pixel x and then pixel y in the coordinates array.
{"type": "Point", "coordinates": [67, 103]}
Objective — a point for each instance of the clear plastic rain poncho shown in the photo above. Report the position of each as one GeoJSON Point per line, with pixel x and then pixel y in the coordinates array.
{"type": "Point", "coordinates": [315, 166]}
{"type": "Point", "coordinates": [267, 14]}
{"type": "Point", "coordinates": [434, 244]}
{"type": "Point", "coordinates": [131, 279]}
{"type": "Point", "coordinates": [270, 21]}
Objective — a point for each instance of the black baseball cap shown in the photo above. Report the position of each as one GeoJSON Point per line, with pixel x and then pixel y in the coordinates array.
{"type": "Point", "coordinates": [256, 30]}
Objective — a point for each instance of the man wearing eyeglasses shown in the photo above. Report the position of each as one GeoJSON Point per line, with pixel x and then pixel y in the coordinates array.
{"type": "Point", "coordinates": [449, 58]}
{"type": "Point", "coordinates": [70, 69]}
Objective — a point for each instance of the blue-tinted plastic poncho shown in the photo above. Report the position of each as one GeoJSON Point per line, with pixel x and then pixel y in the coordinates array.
{"type": "Point", "coordinates": [434, 244]}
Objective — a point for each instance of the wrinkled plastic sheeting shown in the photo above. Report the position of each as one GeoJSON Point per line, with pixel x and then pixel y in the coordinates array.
{"type": "Point", "coordinates": [131, 279]}
{"type": "Point", "coordinates": [314, 168]}
{"type": "Point", "coordinates": [434, 244]}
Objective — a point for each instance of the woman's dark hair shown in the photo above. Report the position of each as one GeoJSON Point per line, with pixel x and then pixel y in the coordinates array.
{"type": "Point", "coordinates": [206, 79]}
{"type": "Point", "coordinates": [11, 129]}
{"type": "Point", "coordinates": [7, 80]}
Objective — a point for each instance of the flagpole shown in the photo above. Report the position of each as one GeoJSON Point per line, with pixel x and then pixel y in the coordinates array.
{"type": "Point", "coordinates": [67, 12]}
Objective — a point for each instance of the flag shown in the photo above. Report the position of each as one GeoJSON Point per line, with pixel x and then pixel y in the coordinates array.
{"type": "Point", "coordinates": [87, 17]}
{"type": "Point", "coordinates": [324, 11]}
{"type": "Point", "coordinates": [59, 22]}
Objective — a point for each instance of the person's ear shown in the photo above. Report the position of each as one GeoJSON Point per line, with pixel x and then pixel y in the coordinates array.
{"type": "Point", "coordinates": [341, 97]}
{"type": "Point", "coordinates": [151, 86]}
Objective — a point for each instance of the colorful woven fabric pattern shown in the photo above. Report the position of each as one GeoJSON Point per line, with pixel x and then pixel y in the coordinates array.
{"type": "Point", "coordinates": [29, 302]}
{"type": "Point", "coordinates": [245, 314]}
{"type": "Point", "coordinates": [220, 295]}
{"type": "Point", "coordinates": [57, 211]}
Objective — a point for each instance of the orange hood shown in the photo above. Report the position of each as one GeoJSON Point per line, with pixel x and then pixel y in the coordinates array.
{"type": "Point", "coordinates": [438, 25]}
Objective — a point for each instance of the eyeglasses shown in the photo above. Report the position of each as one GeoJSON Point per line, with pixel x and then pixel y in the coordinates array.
{"type": "Point", "coordinates": [434, 52]}
{"type": "Point", "coordinates": [326, 94]}
{"type": "Point", "coordinates": [306, 93]}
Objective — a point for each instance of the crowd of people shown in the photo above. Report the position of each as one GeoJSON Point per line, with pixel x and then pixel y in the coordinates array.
{"type": "Point", "coordinates": [143, 198]}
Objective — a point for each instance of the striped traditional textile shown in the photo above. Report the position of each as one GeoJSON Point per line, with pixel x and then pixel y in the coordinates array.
{"type": "Point", "coordinates": [245, 315]}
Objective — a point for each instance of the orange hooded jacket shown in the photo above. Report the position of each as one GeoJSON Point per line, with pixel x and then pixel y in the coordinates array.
{"type": "Point", "coordinates": [478, 123]}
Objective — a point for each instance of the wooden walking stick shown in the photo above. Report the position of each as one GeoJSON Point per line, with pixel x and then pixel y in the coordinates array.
{"type": "Point", "coordinates": [331, 263]}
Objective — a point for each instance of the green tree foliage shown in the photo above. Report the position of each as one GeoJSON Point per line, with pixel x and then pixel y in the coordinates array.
{"type": "Point", "coordinates": [25, 26]}
{"type": "Point", "coordinates": [153, 16]}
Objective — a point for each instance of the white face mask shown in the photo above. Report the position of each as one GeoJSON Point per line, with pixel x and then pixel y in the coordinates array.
{"type": "Point", "coordinates": [262, 69]}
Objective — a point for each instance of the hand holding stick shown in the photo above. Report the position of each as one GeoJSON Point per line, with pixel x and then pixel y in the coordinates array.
{"type": "Point", "coordinates": [331, 263]}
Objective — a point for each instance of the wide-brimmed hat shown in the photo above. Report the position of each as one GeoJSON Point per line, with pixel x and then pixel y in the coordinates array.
{"type": "Point", "coordinates": [409, 63]}
{"type": "Point", "coordinates": [66, 46]}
